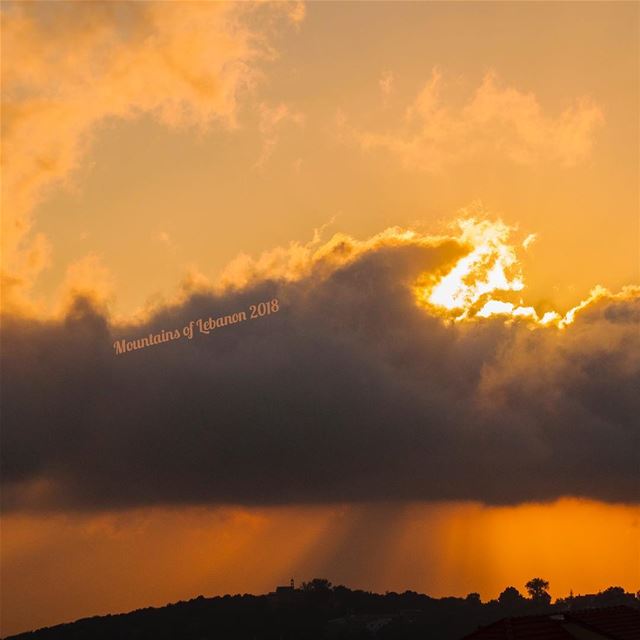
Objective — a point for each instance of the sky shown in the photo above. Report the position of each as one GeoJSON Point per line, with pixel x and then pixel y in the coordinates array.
{"type": "Point", "coordinates": [443, 199]}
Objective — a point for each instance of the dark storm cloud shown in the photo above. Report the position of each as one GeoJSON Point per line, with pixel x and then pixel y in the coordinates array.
{"type": "Point", "coordinates": [350, 392]}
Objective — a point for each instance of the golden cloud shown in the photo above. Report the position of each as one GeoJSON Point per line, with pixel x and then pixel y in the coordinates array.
{"type": "Point", "coordinates": [75, 66]}
{"type": "Point", "coordinates": [416, 401]}
{"type": "Point", "coordinates": [497, 121]}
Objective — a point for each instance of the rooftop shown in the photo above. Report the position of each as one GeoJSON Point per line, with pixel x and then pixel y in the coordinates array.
{"type": "Point", "coordinates": [607, 623]}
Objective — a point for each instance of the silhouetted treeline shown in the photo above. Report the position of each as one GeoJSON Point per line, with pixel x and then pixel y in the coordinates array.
{"type": "Point", "coordinates": [324, 612]}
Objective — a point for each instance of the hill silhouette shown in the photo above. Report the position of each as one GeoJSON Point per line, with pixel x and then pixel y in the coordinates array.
{"type": "Point", "coordinates": [319, 610]}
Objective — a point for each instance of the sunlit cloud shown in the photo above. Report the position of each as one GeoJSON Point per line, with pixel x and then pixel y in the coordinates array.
{"type": "Point", "coordinates": [386, 84]}
{"type": "Point", "coordinates": [296, 11]}
{"type": "Point", "coordinates": [481, 282]}
{"type": "Point", "coordinates": [104, 62]}
{"type": "Point", "coordinates": [87, 277]}
{"type": "Point", "coordinates": [497, 121]}
{"type": "Point", "coordinates": [423, 360]}
{"type": "Point", "coordinates": [529, 240]}
{"type": "Point", "coordinates": [272, 119]}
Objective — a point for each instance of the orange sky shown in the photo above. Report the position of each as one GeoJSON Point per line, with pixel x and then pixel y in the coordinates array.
{"type": "Point", "coordinates": [264, 124]}
{"type": "Point", "coordinates": [148, 145]}
{"type": "Point", "coordinates": [62, 567]}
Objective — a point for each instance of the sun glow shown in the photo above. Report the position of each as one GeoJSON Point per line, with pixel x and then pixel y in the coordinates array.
{"type": "Point", "coordinates": [479, 282]}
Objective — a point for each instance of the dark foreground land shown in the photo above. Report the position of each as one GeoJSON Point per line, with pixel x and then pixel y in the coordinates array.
{"type": "Point", "coordinates": [320, 611]}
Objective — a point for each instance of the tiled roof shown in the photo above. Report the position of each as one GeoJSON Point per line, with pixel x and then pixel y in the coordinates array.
{"type": "Point", "coordinates": [621, 623]}
{"type": "Point", "coordinates": [522, 628]}
{"type": "Point", "coordinates": [610, 623]}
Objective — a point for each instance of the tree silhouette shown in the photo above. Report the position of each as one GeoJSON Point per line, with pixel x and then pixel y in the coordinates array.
{"type": "Point", "coordinates": [510, 596]}
{"type": "Point", "coordinates": [317, 584]}
{"type": "Point", "coordinates": [320, 608]}
{"type": "Point", "coordinates": [537, 589]}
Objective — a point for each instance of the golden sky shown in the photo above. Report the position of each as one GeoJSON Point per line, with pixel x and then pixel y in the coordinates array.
{"type": "Point", "coordinates": [68, 566]}
{"type": "Point", "coordinates": [162, 154]}
{"type": "Point", "coordinates": [395, 173]}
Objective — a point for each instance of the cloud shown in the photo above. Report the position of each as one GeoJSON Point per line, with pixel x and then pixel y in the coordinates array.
{"type": "Point", "coordinates": [296, 11]}
{"type": "Point", "coordinates": [272, 118]}
{"type": "Point", "coordinates": [386, 83]}
{"type": "Point", "coordinates": [76, 67]}
{"type": "Point", "coordinates": [350, 392]}
{"type": "Point", "coordinates": [497, 121]}
{"type": "Point", "coordinates": [87, 278]}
